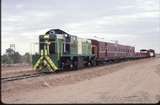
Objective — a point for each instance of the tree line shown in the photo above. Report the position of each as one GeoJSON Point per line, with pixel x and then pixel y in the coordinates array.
{"type": "Point", "coordinates": [13, 57]}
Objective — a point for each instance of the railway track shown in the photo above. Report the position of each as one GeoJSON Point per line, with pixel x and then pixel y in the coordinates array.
{"type": "Point", "coordinates": [31, 75]}
{"type": "Point", "coordinates": [38, 74]}
{"type": "Point", "coordinates": [20, 77]}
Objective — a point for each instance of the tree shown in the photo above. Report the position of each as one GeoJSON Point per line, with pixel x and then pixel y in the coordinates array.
{"type": "Point", "coordinates": [11, 57]}
{"type": "Point", "coordinates": [17, 57]}
{"type": "Point", "coordinates": [27, 58]}
{"type": "Point", "coordinates": [5, 59]}
{"type": "Point", "coordinates": [10, 52]}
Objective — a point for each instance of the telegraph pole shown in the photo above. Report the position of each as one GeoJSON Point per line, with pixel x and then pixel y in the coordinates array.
{"type": "Point", "coordinates": [12, 46]}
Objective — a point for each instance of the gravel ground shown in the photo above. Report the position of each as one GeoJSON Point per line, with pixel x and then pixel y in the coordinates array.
{"type": "Point", "coordinates": [127, 82]}
{"type": "Point", "coordinates": [16, 70]}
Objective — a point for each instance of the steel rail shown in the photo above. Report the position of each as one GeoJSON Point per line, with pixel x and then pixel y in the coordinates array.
{"type": "Point", "coordinates": [20, 77]}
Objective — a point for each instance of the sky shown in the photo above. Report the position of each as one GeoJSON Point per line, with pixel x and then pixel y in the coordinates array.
{"type": "Point", "coordinates": [130, 22]}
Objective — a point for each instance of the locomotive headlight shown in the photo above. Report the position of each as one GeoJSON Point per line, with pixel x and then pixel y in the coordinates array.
{"type": "Point", "coordinates": [151, 54]}
{"type": "Point", "coordinates": [65, 35]}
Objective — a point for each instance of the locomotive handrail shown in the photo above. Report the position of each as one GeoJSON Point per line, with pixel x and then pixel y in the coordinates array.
{"type": "Point", "coordinates": [55, 42]}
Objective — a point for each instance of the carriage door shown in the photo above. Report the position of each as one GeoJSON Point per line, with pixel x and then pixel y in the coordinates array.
{"type": "Point", "coordinates": [94, 50]}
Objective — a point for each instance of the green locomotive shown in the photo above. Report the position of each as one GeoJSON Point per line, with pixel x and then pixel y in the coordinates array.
{"type": "Point", "coordinates": [59, 50]}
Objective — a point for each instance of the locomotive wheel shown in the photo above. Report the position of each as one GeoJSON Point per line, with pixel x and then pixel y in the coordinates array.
{"type": "Point", "coordinates": [62, 66]}
{"type": "Point", "coordinates": [75, 65]}
{"type": "Point", "coordinates": [93, 62]}
{"type": "Point", "coordinates": [86, 64]}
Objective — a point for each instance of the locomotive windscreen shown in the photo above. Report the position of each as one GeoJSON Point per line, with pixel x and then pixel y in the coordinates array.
{"type": "Point", "coordinates": [52, 46]}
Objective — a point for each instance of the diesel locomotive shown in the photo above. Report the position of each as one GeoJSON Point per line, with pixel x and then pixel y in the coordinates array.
{"type": "Point", "coordinates": [59, 50]}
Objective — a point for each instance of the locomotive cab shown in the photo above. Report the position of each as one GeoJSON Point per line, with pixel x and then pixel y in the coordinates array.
{"type": "Point", "coordinates": [52, 45]}
{"type": "Point", "coordinates": [151, 53]}
{"type": "Point", "coordinates": [56, 36]}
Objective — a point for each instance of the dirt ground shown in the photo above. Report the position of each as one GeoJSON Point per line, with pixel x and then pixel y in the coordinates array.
{"type": "Point", "coordinates": [126, 82]}
{"type": "Point", "coordinates": [15, 70]}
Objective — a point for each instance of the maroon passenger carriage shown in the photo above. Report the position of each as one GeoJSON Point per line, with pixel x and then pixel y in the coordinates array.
{"type": "Point", "coordinates": [105, 51]}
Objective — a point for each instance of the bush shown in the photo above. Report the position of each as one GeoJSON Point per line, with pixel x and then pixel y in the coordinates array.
{"type": "Point", "coordinates": [12, 57]}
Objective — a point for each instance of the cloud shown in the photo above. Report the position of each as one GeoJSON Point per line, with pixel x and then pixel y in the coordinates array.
{"type": "Point", "coordinates": [123, 20]}
{"type": "Point", "coordinates": [118, 23]}
{"type": "Point", "coordinates": [19, 6]}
